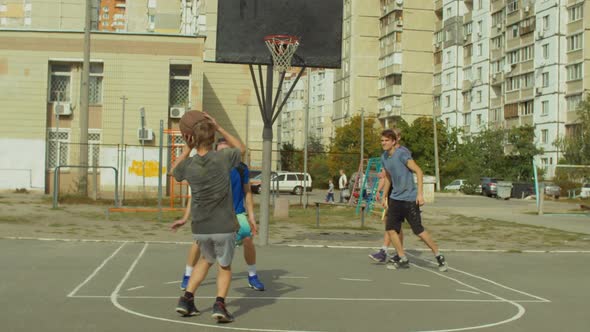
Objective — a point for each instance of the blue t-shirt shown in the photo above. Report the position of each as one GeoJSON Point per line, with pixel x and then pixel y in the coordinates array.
{"type": "Point", "coordinates": [237, 187]}
{"type": "Point", "coordinates": [403, 187]}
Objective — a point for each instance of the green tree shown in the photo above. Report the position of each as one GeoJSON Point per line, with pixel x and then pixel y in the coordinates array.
{"type": "Point", "coordinates": [345, 149]}
{"type": "Point", "coordinates": [518, 162]}
{"type": "Point", "coordinates": [576, 147]}
{"type": "Point", "coordinates": [419, 138]}
{"type": "Point", "coordinates": [291, 158]}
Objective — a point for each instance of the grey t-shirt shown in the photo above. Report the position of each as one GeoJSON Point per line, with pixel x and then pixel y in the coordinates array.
{"type": "Point", "coordinates": [212, 207]}
{"type": "Point", "coordinates": [403, 187]}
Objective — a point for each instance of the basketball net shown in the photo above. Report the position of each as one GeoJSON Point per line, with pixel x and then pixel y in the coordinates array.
{"type": "Point", "coordinates": [282, 48]}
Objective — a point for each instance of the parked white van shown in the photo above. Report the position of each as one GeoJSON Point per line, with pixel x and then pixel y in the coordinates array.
{"type": "Point", "coordinates": [292, 182]}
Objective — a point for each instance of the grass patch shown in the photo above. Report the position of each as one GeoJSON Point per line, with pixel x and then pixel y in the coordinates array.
{"type": "Point", "coordinates": [13, 220]}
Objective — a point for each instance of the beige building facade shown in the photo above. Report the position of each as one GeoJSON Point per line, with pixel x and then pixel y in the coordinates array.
{"type": "Point", "coordinates": [40, 76]}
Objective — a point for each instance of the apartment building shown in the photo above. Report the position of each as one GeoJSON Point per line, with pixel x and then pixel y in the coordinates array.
{"type": "Point", "coordinates": [132, 16]}
{"type": "Point", "coordinates": [292, 118]}
{"type": "Point", "coordinates": [405, 60]}
{"type": "Point", "coordinates": [321, 104]}
{"type": "Point", "coordinates": [355, 84]}
{"type": "Point", "coordinates": [508, 63]}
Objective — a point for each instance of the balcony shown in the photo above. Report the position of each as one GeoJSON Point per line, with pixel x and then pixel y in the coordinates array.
{"type": "Point", "coordinates": [497, 78]}
{"type": "Point", "coordinates": [390, 91]}
{"type": "Point", "coordinates": [526, 120]}
{"type": "Point", "coordinates": [496, 102]}
{"type": "Point", "coordinates": [467, 85]}
{"type": "Point", "coordinates": [497, 5]}
{"type": "Point", "coordinates": [391, 69]}
{"type": "Point", "coordinates": [395, 111]}
{"type": "Point", "coordinates": [496, 53]}
{"type": "Point", "coordinates": [391, 48]}
{"type": "Point", "coordinates": [393, 27]}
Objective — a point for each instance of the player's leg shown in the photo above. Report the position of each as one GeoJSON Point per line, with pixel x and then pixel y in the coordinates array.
{"type": "Point", "coordinates": [395, 215]}
{"type": "Point", "coordinates": [244, 236]}
{"type": "Point", "coordinates": [186, 303]}
{"type": "Point", "coordinates": [193, 256]}
{"type": "Point", "coordinates": [415, 220]}
{"type": "Point", "coordinates": [224, 251]}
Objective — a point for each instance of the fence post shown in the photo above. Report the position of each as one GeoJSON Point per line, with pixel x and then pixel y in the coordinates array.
{"type": "Point", "coordinates": [160, 170]}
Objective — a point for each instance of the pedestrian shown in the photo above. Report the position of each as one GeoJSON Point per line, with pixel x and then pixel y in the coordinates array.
{"type": "Point", "coordinates": [405, 199]}
{"type": "Point", "coordinates": [243, 204]}
{"type": "Point", "coordinates": [330, 195]}
{"type": "Point", "coordinates": [213, 222]}
{"type": "Point", "coordinates": [342, 185]}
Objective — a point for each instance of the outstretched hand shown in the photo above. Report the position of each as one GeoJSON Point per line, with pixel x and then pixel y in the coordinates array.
{"type": "Point", "coordinates": [177, 224]}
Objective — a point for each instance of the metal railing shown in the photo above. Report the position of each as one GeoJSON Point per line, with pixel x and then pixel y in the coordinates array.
{"type": "Point", "coordinates": [56, 181]}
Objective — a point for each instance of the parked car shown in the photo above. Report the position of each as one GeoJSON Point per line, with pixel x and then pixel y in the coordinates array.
{"type": "Point", "coordinates": [551, 189]}
{"type": "Point", "coordinates": [291, 182]}
{"type": "Point", "coordinates": [456, 185]}
{"type": "Point", "coordinates": [585, 191]}
{"type": "Point", "coordinates": [256, 182]}
{"type": "Point", "coordinates": [488, 186]}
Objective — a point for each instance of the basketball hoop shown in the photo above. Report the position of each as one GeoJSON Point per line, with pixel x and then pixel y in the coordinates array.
{"type": "Point", "coordinates": [282, 48]}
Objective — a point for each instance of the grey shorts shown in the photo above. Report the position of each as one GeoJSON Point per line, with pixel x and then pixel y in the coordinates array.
{"type": "Point", "coordinates": [217, 247]}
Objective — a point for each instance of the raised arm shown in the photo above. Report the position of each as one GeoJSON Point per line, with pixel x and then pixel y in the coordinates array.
{"type": "Point", "coordinates": [231, 140]}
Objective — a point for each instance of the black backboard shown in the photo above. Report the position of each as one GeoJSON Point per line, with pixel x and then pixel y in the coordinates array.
{"type": "Point", "coordinates": [243, 24]}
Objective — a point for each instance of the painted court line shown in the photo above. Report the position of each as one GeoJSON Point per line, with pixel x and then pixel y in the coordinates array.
{"type": "Point", "coordinates": [141, 297]}
{"type": "Point", "coordinates": [292, 277]}
{"type": "Point", "coordinates": [115, 301]}
{"type": "Point", "coordinates": [350, 279]}
{"type": "Point", "coordinates": [467, 291]}
{"type": "Point", "coordinates": [172, 282]}
{"type": "Point", "coordinates": [96, 270]}
{"type": "Point", "coordinates": [411, 284]}
{"type": "Point", "coordinates": [134, 288]}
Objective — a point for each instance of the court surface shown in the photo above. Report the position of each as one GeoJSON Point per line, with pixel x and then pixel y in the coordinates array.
{"type": "Point", "coordinates": [128, 286]}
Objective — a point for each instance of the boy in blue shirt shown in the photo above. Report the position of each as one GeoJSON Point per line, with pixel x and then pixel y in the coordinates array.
{"type": "Point", "coordinates": [405, 198]}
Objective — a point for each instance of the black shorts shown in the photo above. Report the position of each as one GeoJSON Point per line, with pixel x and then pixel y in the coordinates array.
{"type": "Point", "coordinates": [400, 210]}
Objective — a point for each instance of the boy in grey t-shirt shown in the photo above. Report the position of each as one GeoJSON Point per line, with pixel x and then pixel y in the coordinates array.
{"type": "Point", "coordinates": [214, 221]}
{"type": "Point", "coordinates": [405, 198]}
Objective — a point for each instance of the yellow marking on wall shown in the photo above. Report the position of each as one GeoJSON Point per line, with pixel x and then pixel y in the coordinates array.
{"type": "Point", "coordinates": [151, 168]}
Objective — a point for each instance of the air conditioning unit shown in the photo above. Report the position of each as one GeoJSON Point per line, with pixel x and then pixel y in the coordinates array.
{"type": "Point", "coordinates": [499, 26]}
{"type": "Point", "coordinates": [479, 34]}
{"type": "Point", "coordinates": [464, 37]}
{"type": "Point", "coordinates": [540, 34]}
{"type": "Point", "coordinates": [399, 23]}
{"type": "Point", "coordinates": [399, 2]}
{"type": "Point", "coordinates": [177, 112]}
{"type": "Point", "coordinates": [494, 76]}
{"type": "Point", "coordinates": [384, 9]}
{"type": "Point", "coordinates": [526, 9]}
{"type": "Point", "coordinates": [538, 91]}
{"type": "Point", "coordinates": [145, 134]}
{"type": "Point", "coordinates": [61, 108]}
{"type": "Point", "coordinates": [437, 45]}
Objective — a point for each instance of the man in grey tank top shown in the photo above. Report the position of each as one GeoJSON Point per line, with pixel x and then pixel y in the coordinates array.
{"type": "Point", "coordinates": [405, 199]}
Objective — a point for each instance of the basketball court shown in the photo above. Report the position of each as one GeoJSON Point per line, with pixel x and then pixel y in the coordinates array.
{"type": "Point", "coordinates": [101, 286]}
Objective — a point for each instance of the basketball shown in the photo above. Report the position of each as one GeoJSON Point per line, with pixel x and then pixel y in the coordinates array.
{"type": "Point", "coordinates": [188, 121]}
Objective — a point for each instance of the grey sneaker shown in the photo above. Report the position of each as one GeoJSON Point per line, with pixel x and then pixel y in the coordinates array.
{"type": "Point", "coordinates": [186, 307]}
{"type": "Point", "coordinates": [442, 264]}
{"type": "Point", "coordinates": [221, 314]}
{"type": "Point", "coordinates": [396, 264]}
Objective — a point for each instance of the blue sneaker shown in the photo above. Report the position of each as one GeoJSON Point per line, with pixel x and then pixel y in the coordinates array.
{"type": "Point", "coordinates": [255, 283]}
{"type": "Point", "coordinates": [184, 282]}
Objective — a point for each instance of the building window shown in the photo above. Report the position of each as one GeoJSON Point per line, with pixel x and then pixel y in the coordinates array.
{"type": "Point", "coordinates": [478, 119]}
{"type": "Point", "coordinates": [448, 56]}
{"type": "Point", "coordinates": [576, 12]}
{"type": "Point", "coordinates": [479, 73]}
{"type": "Point", "coordinates": [573, 102]}
{"type": "Point", "coordinates": [574, 72]}
{"type": "Point", "coordinates": [527, 53]}
{"type": "Point", "coordinates": [448, 78]}
{"type": "Point", "coordinates": [93, 147]}
{"type": "Point", "coordinates": [545, 80]}
{"type": "Point", "coordinates": [180, 78]}
{"type": "Point", "coordinates": [58, 148]}
{"type": "Point", "coordinates": [479, 49]}
{"type": "Point", "coordinates": [514, 29]}
{"type": "Point", "coordinates": [527, 108]}
{"type": "Point", "coordinates": [512, 6]}
{"type": "Point", "coordinates": [575, 42]}
{"type": "Point", "coordinates": [447, 101]}
{"type": "Point", "coordinates": [466, 119]}
{"type": "Point", "coordinates": [496, 115]}
{"type": "Point", "coordinates": [95, 84]}
{"type": "Point", "coordinates": [513, 57]}
{"type": "Point", "coordinates": [544, 136]}
{"type": "Point", "coordinates": [479, 96]}
{"type": "Point", "coordinates": [545, 22]}
{"type": "Point", "coordinates": [545, 107]}
{"type": "Point", "coordinates": [545, 51]}
{"type": "Point", "coordinates": [513, 83]}
{"type": "Point", "coordinates": [59, 85]}
{"type": "Point", "coordinates": [527, 80]}
{"type": "Point", "coordinates": [448, 13]}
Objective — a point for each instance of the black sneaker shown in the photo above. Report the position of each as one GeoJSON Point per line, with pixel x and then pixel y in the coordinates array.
{"type": "Point", "coordinates": [395, 263]}
{"type": "Point", "coordinates": [186, 307]}
{"type": "Point", "coordinates": [442, 264]}
{"type": "Point", "coordinates": [221, 314]}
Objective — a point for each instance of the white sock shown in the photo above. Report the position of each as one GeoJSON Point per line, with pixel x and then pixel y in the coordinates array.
{"type": "Point", "coordinates": [188, 270]}
{"type": "Point", "coordinates": [384, 248]}
{"type": "Point", "coordinates": [251, 270]}
{"type": "Point", "coordinates": [436, 254]}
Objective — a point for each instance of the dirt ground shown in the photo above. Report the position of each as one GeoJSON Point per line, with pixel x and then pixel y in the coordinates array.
{"type": "Point", "coordinates": [30, 215]}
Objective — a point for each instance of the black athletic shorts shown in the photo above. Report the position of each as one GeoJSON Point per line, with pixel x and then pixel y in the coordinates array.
{"type": "Point", "coordinates": [400, 210]}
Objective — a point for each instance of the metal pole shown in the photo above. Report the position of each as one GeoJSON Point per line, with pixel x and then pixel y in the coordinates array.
{"type": "Point", "coordinates": [142, 115]}
{"type": "Point", "coordinates": [122, 162]}
{"type": "Point", "coordinates": [305, 141]}
{"type": "Point", "coordinates": [160, 170]}
{"type": "Point", "coordinates": [266, 157]}
{"type": "Point", "coordinates": [362, 136]}
{"type": "Point", "coordinates": [436, 170]}
{"type": "Point", "coordinates": [84, 101]}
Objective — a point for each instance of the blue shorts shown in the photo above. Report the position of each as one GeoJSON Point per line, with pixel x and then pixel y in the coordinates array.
{"type": "Point", "coordinates": [245, 231]}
